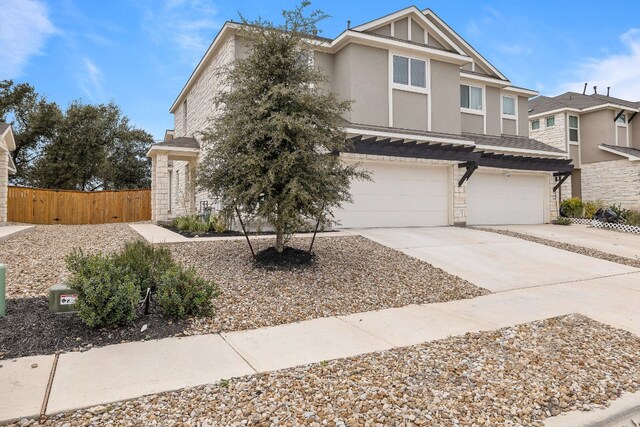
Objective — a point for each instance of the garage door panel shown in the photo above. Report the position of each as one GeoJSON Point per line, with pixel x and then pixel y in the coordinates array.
{"type": "Point", "coordinates": [499, 198]}
{"type": "Point", "coordinates": [400, 194]}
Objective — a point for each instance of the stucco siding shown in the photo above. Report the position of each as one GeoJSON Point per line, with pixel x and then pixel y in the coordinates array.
{"type": "Point", "coordinates": [417, 32]}
{"type": "Point", "coordinates": [410, 110]}
{"type": "Point", "coordinates": [508, 126]}
{"type": "Point", "coordinates": [401, 29]}
{"type": "Point", "coordinates": [342, 76]}
{"type": "Point", "coordinates": [473, 123]}
{"type": "Point", "coordinates": [615, 182]}
{"type": "Point", "coordinates": [523, 116]}
{"type": "Point", "coordinates": [634, 132]}
{"type": "Point", "coordinates": [369, 85]}
{"type": "Point", "coordinates": [597, 128]}
{"type": "Point", "coordinates": [324, 62]}
{"type": "Point", "coordinates": [622, 136]}
{"type": "Point", "coordinates": [445, 97]}
{"type": "Point", "coordinates": [574, 154]}
{"type": "Point", "coordinates": [493, 111]}
{"type": "Point", "coordinates": [385, 30]}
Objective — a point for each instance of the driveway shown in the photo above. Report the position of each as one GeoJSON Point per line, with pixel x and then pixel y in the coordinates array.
{"type": "Point", "coordinates": [621, 244]}
{"type": "Point", "coordinates": [493, 261]}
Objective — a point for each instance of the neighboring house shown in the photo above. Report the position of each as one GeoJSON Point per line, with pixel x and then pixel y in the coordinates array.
{"type": "Point", "coordinates": [601, 136]}
{"type": "Point", "coordinates": [444, 133]}
{"type": "Point", "coordinates": [7, 145]}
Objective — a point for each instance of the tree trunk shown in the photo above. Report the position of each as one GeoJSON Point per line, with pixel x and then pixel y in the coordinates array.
{"type": "Point", "coordinates": [279, 240]}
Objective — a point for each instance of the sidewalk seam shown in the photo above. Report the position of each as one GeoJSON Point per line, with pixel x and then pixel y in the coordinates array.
{"type": "Point", "coordinates": [563, 283]}
{"type": "Point", "coordinates": [47, 392]}
{"type": "Point", "coordinates": [367, 332]}
{"type": "Point", "coordinates": [238, 353]}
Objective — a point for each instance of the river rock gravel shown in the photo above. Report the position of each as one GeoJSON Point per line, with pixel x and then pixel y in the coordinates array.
{"type": "Point", "coordinates": [35, 259]}
{"type": "Point", "coordinates": [350, 274]}
{"type": "Point", "coordinates": [516, 376]}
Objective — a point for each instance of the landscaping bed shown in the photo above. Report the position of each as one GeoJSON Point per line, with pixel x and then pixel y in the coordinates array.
{"type": "Point", "coordinates": [35, 259]}
{"type": "Point", "coordinates": [519, 375]}
{"type": "Point", "coordinates": [30, 329]}
{"type": "Point", "coordinates": [567, 247]}
{"type": "Point", "coordinates": [227, 233]}
{"type": "Point", "coordinates": [348, 274]}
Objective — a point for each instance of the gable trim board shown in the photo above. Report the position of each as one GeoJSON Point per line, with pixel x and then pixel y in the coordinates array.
{"type": "Point", "coordinates": [613, 150]}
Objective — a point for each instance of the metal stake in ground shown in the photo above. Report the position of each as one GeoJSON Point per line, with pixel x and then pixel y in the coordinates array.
{"type": "Point", "coordinates": [245, 232]}
{"type": "Point", "coordinates": [313, 239]}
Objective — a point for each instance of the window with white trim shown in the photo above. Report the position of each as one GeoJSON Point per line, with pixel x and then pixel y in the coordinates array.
{"type": "Point", "coordinates": [535, 124]}
{"type": "Point", "coordinates": [508, 106]}
{"type": "Point", "coordinates": [409, 71]}
{"type": "Point", "coordinates": [622, 120]}
{"type": "Point", "coordinates": [573, 128]}
{"type": "Point", "coordinates": [471, 97]}
{"type": "Point", "coordinates": [551, 121]}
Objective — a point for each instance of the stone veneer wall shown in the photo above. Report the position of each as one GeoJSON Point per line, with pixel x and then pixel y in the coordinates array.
{"type": "Point", "coordinates": [615, 182]}
{"type": "Point", "coordinates": [555, 136]}
{"type": "Point", "coordinates": [4, 182]}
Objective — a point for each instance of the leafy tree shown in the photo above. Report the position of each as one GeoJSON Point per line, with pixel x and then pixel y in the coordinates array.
{"type": "Point", "coordinates": [34, 121]}
{"type": "Point", "coordinates": [95, 148]}
{"type": "Point", "coordinates": [270, 151]}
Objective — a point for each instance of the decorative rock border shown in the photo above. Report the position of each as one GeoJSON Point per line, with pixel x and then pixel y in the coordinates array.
{"type": "Point", "coordinates": [625, 228]}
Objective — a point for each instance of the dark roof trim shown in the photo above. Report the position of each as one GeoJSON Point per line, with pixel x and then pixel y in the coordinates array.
{"type": "Point", "coordinates": [179, 142]}
{"type": "Point", "coordinates": [412, 149]}
{"type": "Point", "coordinates": [507, 161]}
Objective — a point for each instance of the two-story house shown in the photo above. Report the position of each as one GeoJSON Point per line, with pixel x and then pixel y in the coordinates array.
{"type": "Point", "coordinates": [7, 167]}
{"type": "Point", "coordinates": [444, 133]}
{"type": "Point", "coordinates": [602, 138]}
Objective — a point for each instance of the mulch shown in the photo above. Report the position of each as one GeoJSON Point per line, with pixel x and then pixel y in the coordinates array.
{"type": "Point", "coordinates": [30, 329]}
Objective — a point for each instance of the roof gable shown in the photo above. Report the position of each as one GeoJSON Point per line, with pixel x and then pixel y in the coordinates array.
{"type": "Point", "coordinates": [435, 33]}
{"type": "Point", "coordinates": [483, 63]}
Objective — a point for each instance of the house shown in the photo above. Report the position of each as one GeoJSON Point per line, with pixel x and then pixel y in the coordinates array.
{"type": "Point", "coordinates": [601, 136]}
{"type": "Point", "coordinates": [443, 131]}
{"type": "Point", "coordinates": [7, 145]}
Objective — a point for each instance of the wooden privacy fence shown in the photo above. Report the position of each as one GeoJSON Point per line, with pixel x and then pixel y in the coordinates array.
{"type": "Point", "coordinates": [38, 206]}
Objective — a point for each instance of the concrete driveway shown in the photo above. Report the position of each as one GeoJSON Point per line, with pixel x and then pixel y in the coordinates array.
{"type": "Point", "coordinates": [493, 261]}
{"type": "Point", "coordinates": [621, 244]}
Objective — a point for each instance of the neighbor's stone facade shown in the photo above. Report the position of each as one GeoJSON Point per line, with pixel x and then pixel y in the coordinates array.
{"type": "Point", "coordinates": [555, 136]}
{"type": "Point", "coordinates": [4, 182]}
{"type": "Point", "coordinates": [614, 182]}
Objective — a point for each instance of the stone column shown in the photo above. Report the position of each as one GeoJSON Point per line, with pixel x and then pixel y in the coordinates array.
{"type": "Point", "coordinates": [459, 197]}
{"type": "Point", "coordinates": [192, 185]}
{"type": "Point", "coordinates": [160, 186]}
{"type": "Point", "coordinates": [554, 200]}
{"type": "Point", "coordinates": [4, 182]}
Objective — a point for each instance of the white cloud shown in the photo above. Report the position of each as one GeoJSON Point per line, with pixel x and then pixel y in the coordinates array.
{"type": "Point", "coordinates": [188, 27]}
{"type": "Point", "coordinates": [90, 80]}
{"type": "Point", "coordinates": [620, 71]}
{"type": "Point", "coordinates": [24, 28]}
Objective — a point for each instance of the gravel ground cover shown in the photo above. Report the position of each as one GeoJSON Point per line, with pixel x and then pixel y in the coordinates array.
{"type": "Point", "coordinates": [516, 376]}
{"type": "Point", "coordinates": [350, 274]}
{"type": "Point", "coordinates": [35, 259]}
{"type": "Point", "coordinates": [30, 329]}
{"type": "Point", "coordinates": [567, 247]}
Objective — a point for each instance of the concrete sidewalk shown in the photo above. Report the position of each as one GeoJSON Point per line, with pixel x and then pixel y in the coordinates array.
{"type": "Point", "coordinates": [125, 371]}
{"type": "Point", "coordinates": [617, 243]}
{"type": "Point", "coordinates": [9, 231]}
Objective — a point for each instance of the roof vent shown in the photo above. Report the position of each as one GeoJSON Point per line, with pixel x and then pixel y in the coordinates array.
{"type": "Point", "coordinates": [348, 24]}
{"type": "Point", "coordinates": [595, 90]}
{"type": "Point", "coordinates": [608, 89]}
{"type": "Point", "coordinates": [584, 91]}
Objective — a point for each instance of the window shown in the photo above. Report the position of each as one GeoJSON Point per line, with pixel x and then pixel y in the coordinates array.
{"type": "Point", "coordinates": [471, 97]}
{"type": "Point", "coordinates": [573, 128]}
{"type": "Point", "coordinates": [535, 124]}
{"type": "Point", "coordinates": [551, 120]}
{"type": "Point", "coordinates": [622, 120]}
{"type": "Point", "coordinates": [508, 106]}
{"type": "Point", "coordinates": [409, 71]}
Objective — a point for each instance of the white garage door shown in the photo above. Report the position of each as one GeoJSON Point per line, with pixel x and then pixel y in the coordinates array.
{"type": "Point", "coordinates": [498, 198]}
{"type": "Point", "coordinates": [401, 194]}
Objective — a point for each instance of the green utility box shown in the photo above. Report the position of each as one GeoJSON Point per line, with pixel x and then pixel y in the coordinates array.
{"type": "Point", "coordinates": [62, 299]}
{"type": "Point", "coordinates": [3, 290]}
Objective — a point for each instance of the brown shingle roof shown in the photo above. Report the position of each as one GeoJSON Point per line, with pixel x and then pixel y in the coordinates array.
{"type": "Point", "coordinates": [576, 100]}
{"type": "Point", "coordinates": [511, 141]}
{"type": "Point", "coordinates": [624, 150]}
{"type": "Point", "coordinates": [181, 141]}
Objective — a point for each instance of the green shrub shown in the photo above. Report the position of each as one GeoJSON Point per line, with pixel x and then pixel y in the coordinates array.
{"type": "Point", "coordinates": [192, 224]}
{"type": "Point", "coordinates": [563, 221]}
{"type": "Point", "coordinates": [146, 262]}
{"type": "Point", "coordinates": [572, 207]}
{"type": "Point", "coordinates": [591, 207]}
{"type": "Point", "coordinates": [182, 293]}
{"type": "Point", "coordinates": [107, 290]}
{"type": "Point", "coordinates": [620, 211]}
{"type": "Point", "coordinates": [633, 217]}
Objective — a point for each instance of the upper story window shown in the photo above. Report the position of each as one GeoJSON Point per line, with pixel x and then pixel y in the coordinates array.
{"type": "Point", "coordinates": [622, 120]}
{"type": "Point", "coordinates": [535, 124]}
{"type": "Point", "coordinates": [573, 128]}
{"type": "Point", "coordinates": [551, 121]}
{"type": "Point", "coordinates": [508, 106]}
{"type": "Point", "coordinates": [409, 71]}
{"type": "Point", "coordinates": [471, 97]}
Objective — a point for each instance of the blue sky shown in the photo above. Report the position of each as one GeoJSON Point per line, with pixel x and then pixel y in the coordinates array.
{"type": "Point", "coordinates": [139, 53]}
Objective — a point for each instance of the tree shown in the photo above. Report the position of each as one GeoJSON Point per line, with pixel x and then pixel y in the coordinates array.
{"type": "Point", "coordinates": [95, 148]}
{"type": "Point", "coordinates": [271, 150]}
{"type": "Point", "coordinates": [34, 121]}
